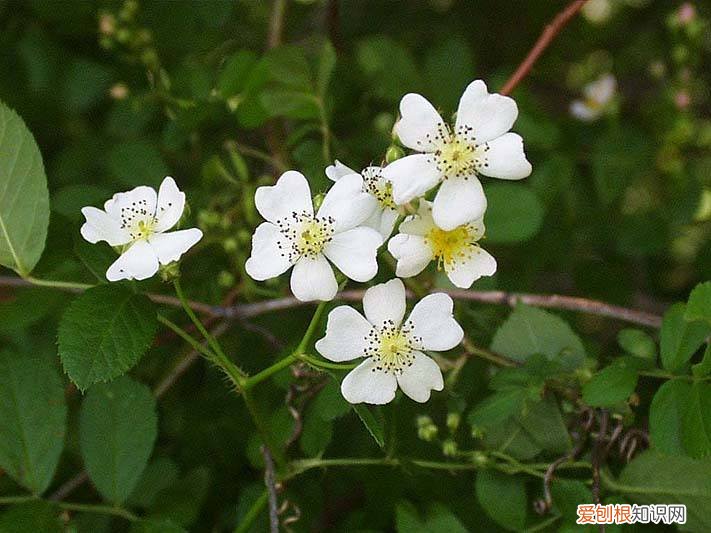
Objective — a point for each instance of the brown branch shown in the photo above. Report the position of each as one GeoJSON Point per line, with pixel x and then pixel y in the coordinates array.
{"type": "Point", "coordinates": [549, 33]}
{"type": "Point", "coordinates": [549, 301]}
{"type": "Point", "coordinates": [270, 482]}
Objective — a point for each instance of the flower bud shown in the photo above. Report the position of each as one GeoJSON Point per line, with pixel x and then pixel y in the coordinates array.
{"type": "Point", "coordinates": [449, 448]}
{"type": "Point", "coordinates": [169, 272]}
{"type": "Point", "coordinates": [226, 279]}
{"type": "Point", "coordinates": [230, 245]}
{"type": "Point", "coordinates": [427, 433]}
{"type": "Point", "coordinates": [480, 459]}
{"type": "Point", "coordinates": [453, 420]}
{"type": "Point", "coordinates": [318, 200]}
{"type": "Point", "coordinates": [393, 153]}
{"type": "Point", "coordinates": [477, 432]}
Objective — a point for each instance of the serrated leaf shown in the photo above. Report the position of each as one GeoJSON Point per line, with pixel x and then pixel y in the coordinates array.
{"type": "Point", "coordinates": [498, 408]}
{"type": "Point", "coordinates": [32, 420]}
{"type": "Point", "coordinates": [503, 497]}
{"type": "Point", "coordinates": [665, 416]}
{"type": "Point", "coordinates": [529, 331]}
{"type": "Point", "coordinates": [104, 333]}
{"type": "Point", "coordinates": [118, 429]}
{"type": "Point", "coordinates": [316, 434]}
{"type": "Point", "coordinates": [39, 516]}
{"type": "Point", "coordinates": [654, 478]}
{"type": "Point", "coordinates": [610, 386]}
{"type": "Point", "coordinates": [24, 198]}
{"type": "Point", "coordinates": [182, 501]}
{"type": "Point", "coordinates": [699, 305]}
{"type": "Point", "coordinates": [373, 424]}
{"type": "Point", "coordinates": [438, 519]}
{"type": "Point", "coordinates": [679, 339]}
{"type": "Point", "coordinates": [696, 421]}
{"type": "Point", "coordinates": [235, 73]}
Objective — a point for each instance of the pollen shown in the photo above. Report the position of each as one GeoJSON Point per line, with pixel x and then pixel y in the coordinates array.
{"type": "Point", "coordinates": [452, 247]}
{"type": "Point", "coordinates": [458, 154]}
{"type": "Point", "coordinates": [392, 347]}
{"type": "Point", "coordinates": [376, 185]}
{"type": "Point", "coordinates": [304, 235]}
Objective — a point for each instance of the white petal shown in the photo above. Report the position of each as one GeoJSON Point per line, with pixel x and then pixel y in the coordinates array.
{"type": "Point", "coordinates": [313, 279]}
{"type": "Point", "coordinates": [385, 301]}
{"type": "Point", "coordinates": [138, 262]}
{"type": "Point", "coordinates": [433, 322]}
{"type": "Point", "coordinates": [354, 252]}
{"type": "Point", "coordinates": [602, 90]}
{"type": "Point", "coordinates": [421, 223]}
{"type": "Point", "coordinates": [346, 335]}
{"type": "Point", "coordinates": [347, 203]}
{"type": "Point", "coordinates": [142, 199]}
{"type": "Point", "coordinates": [412, 176]}
{"type": "Point", "coordinates": [420, 378]}
{"type": "Point", "coordinates": [386, 222]}
{"type": "Point", "coordinates": [366, 384]}
{"type": "Point", "coordinates": [170, 246]}
{"type": "Point", "coordinates": [290, 194]}
{"type": "Point", "coordinates": [458, 201]}
{"type": "Point", "coordinates": [99, 226]}
{"type": "Point", "coordinates": [411, 252]}
{"type": "Point", "coordinates": [489, 115]}
{"type": "Point", "coordinates": [582, 111]}
{"type": "Point", "coordinates": [420, 124]}
{"type": "Point", "coordinates": [171, 203]}
{"type": "Point", "coordinates": [338, 170]}
{"type": "Point", "coordinates": [506, 159]}
{"type": "Point", "coordinates": [463, 274]}
{"type": "Point", "coordinates": [269, 256]}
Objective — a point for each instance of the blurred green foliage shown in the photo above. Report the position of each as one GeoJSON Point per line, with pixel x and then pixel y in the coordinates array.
{"type": "Point", "coordinates": [121, 93]}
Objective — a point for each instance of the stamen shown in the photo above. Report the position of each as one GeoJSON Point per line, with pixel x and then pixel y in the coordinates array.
{"type": "Point", "coordinates": [392, 347]}
{"type": "Point", "coordinates": [304, 235]}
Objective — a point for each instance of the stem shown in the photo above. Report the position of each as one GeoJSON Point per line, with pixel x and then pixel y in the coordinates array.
{"type": "Point", "coordinates": [197, 346]}
{"type": "Point", "coordinates": [236, 375]}
{"type": "Point", "coordinates": [71, 285]}
{"type": "Point", "coordinates": [99, 509]}
{"type": "Point", "coordinates": [549, 33]}
{"type": "Point", "coordinates": [488, 355]}
{"type": "Point", "coordinates": [311, 330]}
{"type": "Point", "coordinates": [313, 361]}
{"type": "Point", "coordinates": [268, 372]}
{"type": "Point", "coordinates": [12, 500]}
{"type": "Point", "coordinates": [257, 507]}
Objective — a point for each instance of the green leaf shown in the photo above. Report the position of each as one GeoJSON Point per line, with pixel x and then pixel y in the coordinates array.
{"type": "Point", "coordinates": [39, 516]}
{"type": "Point", "coordinates": [530, 331]}
{"type": "Point", "coordinates": [654, 478]}
{"type": "Point", "coordinates": [503, 498]}
{"type": "Point", "coordinates": [326, 64]}
{"type": "Point", "coordinates": [389, 66]}
{"type": "Point", "coordinates": [32, 419]}
{"type": "Point", "coordinates": [104, 333]}
{"type": "Point", "coordinates": [448, 70]}
{"type": "Point", "coordinates": [316, 434]}
{"type": "Point", "coordinates": [373, 424]}
{"type": "Point", "coordinates": [699, 305]}
{"type": "Point", "coordinates": [156, 525]}
{"type": "Point", "coordinates": [679, 339]}
{"type": "Point", "coordinates": [498, 408]}
{"type": "Point", "coordinates": [514, 213]}
{"type": "Point", "coordinates": [69, 200]}
{"type": "Point", "coordinates": [288, 66]}
{"type": "Point", "coordinates": [610, 386]}
{"type": "Point", "coordinates": [703, 368]}
{"type": "Point", "coordinates": [665, 416]}
{"type": "Point", "coordinates": [696, 421]}
{"type": "Point", "coordinates": [160, 474]}
{"type": "Point", "coordinates": [329, 404]}
{"type": "Point", "coordinates": [544, 423]}
{"type": "Point", "coordinates": [182, 501]}
{"type": "Point", "coordinates": [637, 342]}
{"type": "Point", "coordinates": [234, 75]}
{"type": "Point", "coordinates": [289, 103]}
{"type": "Point", "coordinates": [437, 519]}
{"type": "Point", "coordinates": [24, 198]}
{"type": "Point", "coordinates": [137, 162]}
{"type": "Point", "coordinates": [567, 495]}
{"type": "Point", "coordinates": [117, 431]}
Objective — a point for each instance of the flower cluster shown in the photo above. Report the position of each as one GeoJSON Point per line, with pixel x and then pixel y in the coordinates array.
{"type": "Point", "coordinates": [347, 227]}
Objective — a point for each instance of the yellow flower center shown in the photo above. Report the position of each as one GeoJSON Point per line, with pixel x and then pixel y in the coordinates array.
{"type": "Point", "coordinates": [306, 235]}
{"type": "Point", "coordinates": [374, 184]}
{"type": "Point", "coordinates": [458, 156]}
{"type": "Point", "coordinates": [392, 347]}
{"type": "Point", "coordinates": [452, 246]}
{"type": "Point", "coordinates": [143, 229]}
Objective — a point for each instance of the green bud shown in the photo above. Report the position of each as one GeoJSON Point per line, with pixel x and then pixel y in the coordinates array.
{"type": "Point", "coordinates": [427, 433]}
{"type": "Point", "coordinates": [424, 420]}
{"type": "Point", "coordinates": [169, 272]}
{"type": "Point", "coordinates": [226, 279]}
{"type": "Point", "coordinates": [230, 245]}
{"type": "Point", "coordinates": [123, 35]}
{"type": "Point", "coordinates": [318, 200]}
{"type": "Point", "coordinates": [393, 154]}
{"type": "Point", "coordinates": [449, 448]}
{"type": "Point", "coordinates": [477, 432]}
{"type": "Point", "coordinates": [453, 420]}
{"type": "Point", "coordinates": [480, 459]}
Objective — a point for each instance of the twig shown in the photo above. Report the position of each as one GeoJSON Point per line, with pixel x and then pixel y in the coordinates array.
{"type": "Point", "coordinates": [69, 486]}
{"type": "Point", "coordinates": [549, 33]}
{"type": "Point", "coordinates": [549, 301]}
{"type": "Point", "coordinates": [598, 457]}
{"type": "Point", "coordinates": [276, 24]}
{"type": "Point", "coordinates": [270, 482]}
{"type": "Point", "coordinates": [333, 24]}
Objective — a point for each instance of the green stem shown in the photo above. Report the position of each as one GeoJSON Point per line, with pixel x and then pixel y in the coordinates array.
{"type": "Point", "coordinates": [253, 513]}
{"type": "Point", "coordinates": [98, 509]}
{"type": "Point", "coordinates": [236, 375]}
{"type": "Point", "coordinates": [198, 346]}
{"type": "Point", "coordinates": [58, 284]}
{"type": "Point", "coordinates": [12, 500]}
{"type": "Point", "coordinates": [319, 363]}
{"type": "Point", "coordinates": [311, 329]}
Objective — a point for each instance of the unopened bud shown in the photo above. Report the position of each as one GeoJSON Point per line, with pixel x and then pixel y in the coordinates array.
{"type": "Point", "coordinates": [427, 433]}
{"type": "Point", "coordinates": [230, 245]}
{"type": "Point", "coordinates": [477, 432]}
{"type": "Point", "coordinates": [169, 272]}
{"type": "Point", "coordinates": [480, 459]}
{"type": "Point", "coordinates": [449, 448]}
{"type": "Point", "coordinates": [393, 154]}
{"type": "Point", "coordinates": [453, 420]}
{"type": "Point", "coordinates": [226, 279]}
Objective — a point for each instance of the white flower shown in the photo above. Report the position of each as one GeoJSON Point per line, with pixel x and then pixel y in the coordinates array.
{"type": "Point", "coordinates": [457, 251]}
{"type": "Point", "coordinates": [393, 349]}
{"type": "Point", "coordinates": [597, 97]}
{"type": "Point", "coordinates": [294, 236]}
{"type": "Point", "coordinates": [597, 11]}
{"type": "Point", "coordinates": [384, 216]}
{"type": "Point", "coordinates": [137, 221]}
{"type": "Point", "coordinates": [478, 144]}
